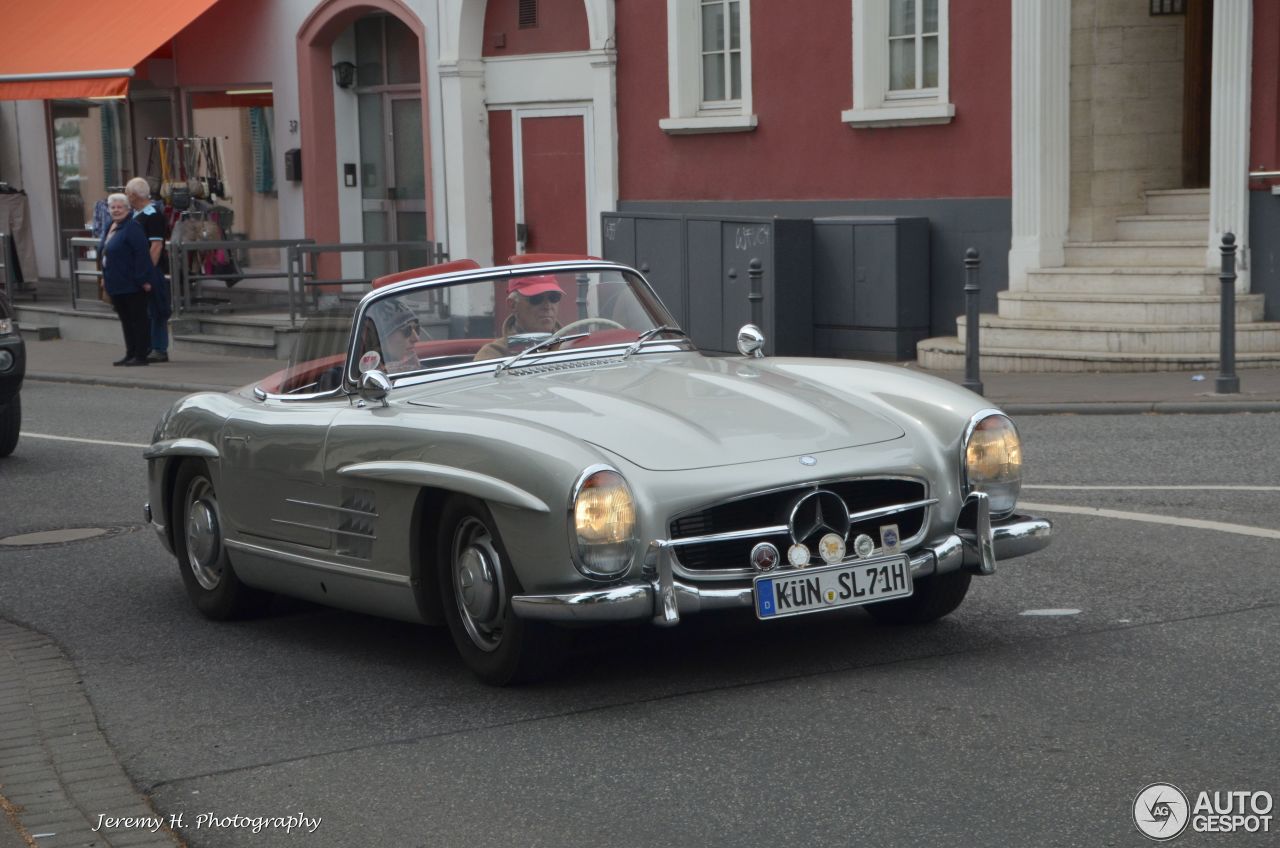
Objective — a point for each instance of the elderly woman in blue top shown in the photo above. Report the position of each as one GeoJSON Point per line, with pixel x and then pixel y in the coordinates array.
{"type": "Point", "coordinates": [126, 276]}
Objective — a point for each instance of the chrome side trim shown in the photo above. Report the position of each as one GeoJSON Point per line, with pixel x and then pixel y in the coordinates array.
{"type": "Point", "coordinates": [180, 447]}
{"type": "Point", "coordinates": [346, 509]}
{"type": "Point", "coordinates": [427, 474]}
{"type": "Point", "coordinates": [865, 515]}
{"type": "Point", "coordinates": [305, 526]}
{"type": "Point", "coordinates": [319, 564]}
{"type": "Point", "coordinates": [664, 599]}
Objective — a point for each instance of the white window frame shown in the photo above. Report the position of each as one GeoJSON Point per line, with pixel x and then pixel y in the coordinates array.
{"type": "Point", "coordinates": [688, 113]}
{"type": "Point", "coordinates": [874, 105]}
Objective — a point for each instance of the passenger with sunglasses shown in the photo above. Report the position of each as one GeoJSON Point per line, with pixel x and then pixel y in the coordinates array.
{"type": "Point", "coordinates": [535, 308]}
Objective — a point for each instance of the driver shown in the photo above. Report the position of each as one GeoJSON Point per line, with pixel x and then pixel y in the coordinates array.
{"type": "Point", "coordinates": [535, 308]}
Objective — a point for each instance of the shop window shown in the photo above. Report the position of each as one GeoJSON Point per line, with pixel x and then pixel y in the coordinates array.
{"type": "Point", "coordinates": [243, 123]}
{"type": "Point", "coordinates": [92, 158]}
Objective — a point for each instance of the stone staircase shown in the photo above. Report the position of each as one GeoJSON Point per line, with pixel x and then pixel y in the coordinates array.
{"type": "Point", "coordinates": [248, 329]}
{"type": "Point", "coordinates": [1144, 302]}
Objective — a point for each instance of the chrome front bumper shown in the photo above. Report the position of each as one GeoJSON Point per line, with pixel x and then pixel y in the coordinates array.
{"type": "Point", "coordinates": [664, 599]}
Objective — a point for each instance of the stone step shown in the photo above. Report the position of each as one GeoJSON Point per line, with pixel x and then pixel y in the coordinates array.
{"type": "Point", "coordinates": [997, 332]}
{"type": "Point", "coordinates": [245, 327]}
{"type": "Point", "coordinates": [1122, 280]}
{"type": "Point", "coordinates": [1136, 254]}
{"type": "Point", "coordinates": [946, 353]}
{"type": "Point", "coordinates": [1126, 308]}
{"type": "Point", "coordinates": [38, 332]}
{"type": "Point", "coordinates": [1162, 227]}
{"type": "Point", "coordinates": [1178, 201]}
{"type": "Point", "coordinates": [205, 343]}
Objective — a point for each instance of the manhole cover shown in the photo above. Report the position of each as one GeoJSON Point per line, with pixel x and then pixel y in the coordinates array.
{"type": "Point", "coordinates": [60, 537]}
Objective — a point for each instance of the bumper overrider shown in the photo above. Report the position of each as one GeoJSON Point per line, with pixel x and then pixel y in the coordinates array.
{"type": "Point", "coordinates": [977, 545]}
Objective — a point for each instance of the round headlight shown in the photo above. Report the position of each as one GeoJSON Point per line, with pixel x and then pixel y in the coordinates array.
{"type": "Point", "coordinates": [602, 524]}
{"type": "Point", "coordinates": [993, 460]}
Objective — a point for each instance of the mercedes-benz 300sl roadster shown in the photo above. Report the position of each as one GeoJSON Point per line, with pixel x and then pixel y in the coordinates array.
{"type": "Point", "coordinates": [515, 451]}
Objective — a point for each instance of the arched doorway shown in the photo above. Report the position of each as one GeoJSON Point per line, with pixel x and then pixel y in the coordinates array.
{"type": "Point", "coordinates": [371, 117]}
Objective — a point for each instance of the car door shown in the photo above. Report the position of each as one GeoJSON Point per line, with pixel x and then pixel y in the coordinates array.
{"type": "Point", "coordinates": [273, 455]}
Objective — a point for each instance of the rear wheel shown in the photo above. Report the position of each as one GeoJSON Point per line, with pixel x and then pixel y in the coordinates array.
{"type": "Point", "coordinates": [206, 570]}
{"type": "Point", "coordinates": [933, 598]}
{"type": "Point", "coordinates": [476, 584]}
{"type": "Point", "coordinates": [10, 424]}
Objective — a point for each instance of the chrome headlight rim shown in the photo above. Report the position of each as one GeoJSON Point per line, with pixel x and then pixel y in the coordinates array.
{"type": "Point", "coordinates": [966, 487]}
{"type": "Point", "coordinates": [575, 550]}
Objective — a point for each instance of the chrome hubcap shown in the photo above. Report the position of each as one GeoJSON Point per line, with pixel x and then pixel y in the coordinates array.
{"type": "Point", "coordinates": [204, 535]}
{"type": "Point", "coordinates": [477, 584]}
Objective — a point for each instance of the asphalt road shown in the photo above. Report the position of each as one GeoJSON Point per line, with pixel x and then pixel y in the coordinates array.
{"type": "Point", "coordinates": [990, 727]}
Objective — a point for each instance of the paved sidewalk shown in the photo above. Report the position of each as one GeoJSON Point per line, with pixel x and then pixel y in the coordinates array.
{"type": "Point", "coordinates": [58, 775]}
{"type": "Point", "coordinates": [1020, 394]}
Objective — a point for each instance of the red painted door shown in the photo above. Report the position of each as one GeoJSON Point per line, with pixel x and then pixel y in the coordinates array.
{"type": "Point", "coordinates": [551, 201]}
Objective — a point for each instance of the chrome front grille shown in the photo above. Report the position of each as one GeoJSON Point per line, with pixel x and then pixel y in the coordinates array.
{"type": "Point", "coordinates": [762, 517]}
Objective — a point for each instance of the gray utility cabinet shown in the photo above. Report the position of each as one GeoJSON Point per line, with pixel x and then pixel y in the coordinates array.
{"type": "Point", "coordinates": [699, 267]}
{"type": "Point", "coordinates": [870, 286]}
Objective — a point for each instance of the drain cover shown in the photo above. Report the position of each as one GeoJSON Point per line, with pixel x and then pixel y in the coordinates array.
{"type": "Point", "coordinates": [54, 537]}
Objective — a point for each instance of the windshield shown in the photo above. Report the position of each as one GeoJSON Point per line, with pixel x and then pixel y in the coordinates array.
{"type": "Point", "coordinates": [433, 326]}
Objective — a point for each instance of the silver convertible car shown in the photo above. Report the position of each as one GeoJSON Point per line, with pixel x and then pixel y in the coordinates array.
{"type": "Point", "coordinates": [515, 451]}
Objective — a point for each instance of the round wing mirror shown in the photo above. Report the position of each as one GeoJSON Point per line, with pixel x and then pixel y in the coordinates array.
{"type": "Point", "coordinates": [374, 386]}
{"type": "Point", "coordinates": [750, 341]}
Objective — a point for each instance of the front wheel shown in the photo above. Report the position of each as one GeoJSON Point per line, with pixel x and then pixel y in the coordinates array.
{"type": "Point", "coordinates": [933, 598]}
{"type": "Point", "coordinates": [206, 569]}
{"type": "Point", "coordinates": [10, 424]}
{"type": "Point", "coordinates": [476, 584]}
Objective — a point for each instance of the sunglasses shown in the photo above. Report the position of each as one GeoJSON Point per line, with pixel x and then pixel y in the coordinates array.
{"type": "Point", "coordinates": [537, 299]}
{"type": "Point", "coordinates": [410, 329]}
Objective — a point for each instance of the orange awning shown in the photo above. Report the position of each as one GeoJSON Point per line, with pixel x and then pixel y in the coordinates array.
{"type": "Point", "coordinates": [76, 48]}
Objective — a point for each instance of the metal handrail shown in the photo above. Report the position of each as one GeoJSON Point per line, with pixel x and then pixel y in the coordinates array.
{"type": "Point", "coordinates": [183, 279]}
{"type": "Point", "coordinates": [76, 273]}
{"type": "Point", "coordinates": [297, 270]}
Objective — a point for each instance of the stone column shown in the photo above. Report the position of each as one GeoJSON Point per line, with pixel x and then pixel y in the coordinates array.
{"type": "Point", "coordinates": [465, 132]}
{"type": "Point", "coordinates": [604, 153]}
{"type": "Point", "coordinates": [1229, 134]}
{"type": "Point", "coordinates": [1041, 113]}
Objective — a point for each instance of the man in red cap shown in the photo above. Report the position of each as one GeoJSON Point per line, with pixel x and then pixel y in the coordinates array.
{"type": "Point", "coordinates": [535, 308]}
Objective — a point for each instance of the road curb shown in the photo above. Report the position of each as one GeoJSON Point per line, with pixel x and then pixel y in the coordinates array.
{"type": "Point", "coordinates": [124, 382]}
{"type": "Point", "coordinates": [1162, 407]}
{"type": "Point", "coordinates": [1159, 407]}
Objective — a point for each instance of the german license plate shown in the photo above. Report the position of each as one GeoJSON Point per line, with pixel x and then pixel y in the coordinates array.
{"type": "Point", "coordinates": [845, 584]}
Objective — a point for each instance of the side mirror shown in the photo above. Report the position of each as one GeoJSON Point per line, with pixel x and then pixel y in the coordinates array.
{"type": "Point", "coordinates": [751, 341]}
{"type": "Point", "coordinates": [374, 386]}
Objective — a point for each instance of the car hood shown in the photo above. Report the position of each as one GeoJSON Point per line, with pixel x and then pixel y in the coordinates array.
{"type": "Point", "coordinates": [674, 413]}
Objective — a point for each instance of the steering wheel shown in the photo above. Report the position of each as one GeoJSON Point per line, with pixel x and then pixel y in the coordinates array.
{"type": "Point", "coordinates": [582, 323]}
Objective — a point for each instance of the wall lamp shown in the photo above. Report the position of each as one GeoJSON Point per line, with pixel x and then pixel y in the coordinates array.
{"type": "Point", "coordinates": [344, 74]}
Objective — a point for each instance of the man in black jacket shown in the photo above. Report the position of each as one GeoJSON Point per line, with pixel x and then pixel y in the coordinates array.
{"type": "Point", "coordinates": [153, 224]}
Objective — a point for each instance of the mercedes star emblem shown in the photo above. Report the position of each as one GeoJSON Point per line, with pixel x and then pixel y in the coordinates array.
{"type": "Point", "coordinates": [817, 513]}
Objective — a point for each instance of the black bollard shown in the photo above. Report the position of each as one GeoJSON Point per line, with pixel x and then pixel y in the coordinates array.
{"type": "Point", "coordinates": [1227, 382]}
{"type": "Point", "coordinates": [755, 273]}
{"type": "Point", "coordinates": [971, 291]}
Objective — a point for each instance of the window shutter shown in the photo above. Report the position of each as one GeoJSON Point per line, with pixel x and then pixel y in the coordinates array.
{"type": "Point", "coordinates": [528, 14]}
